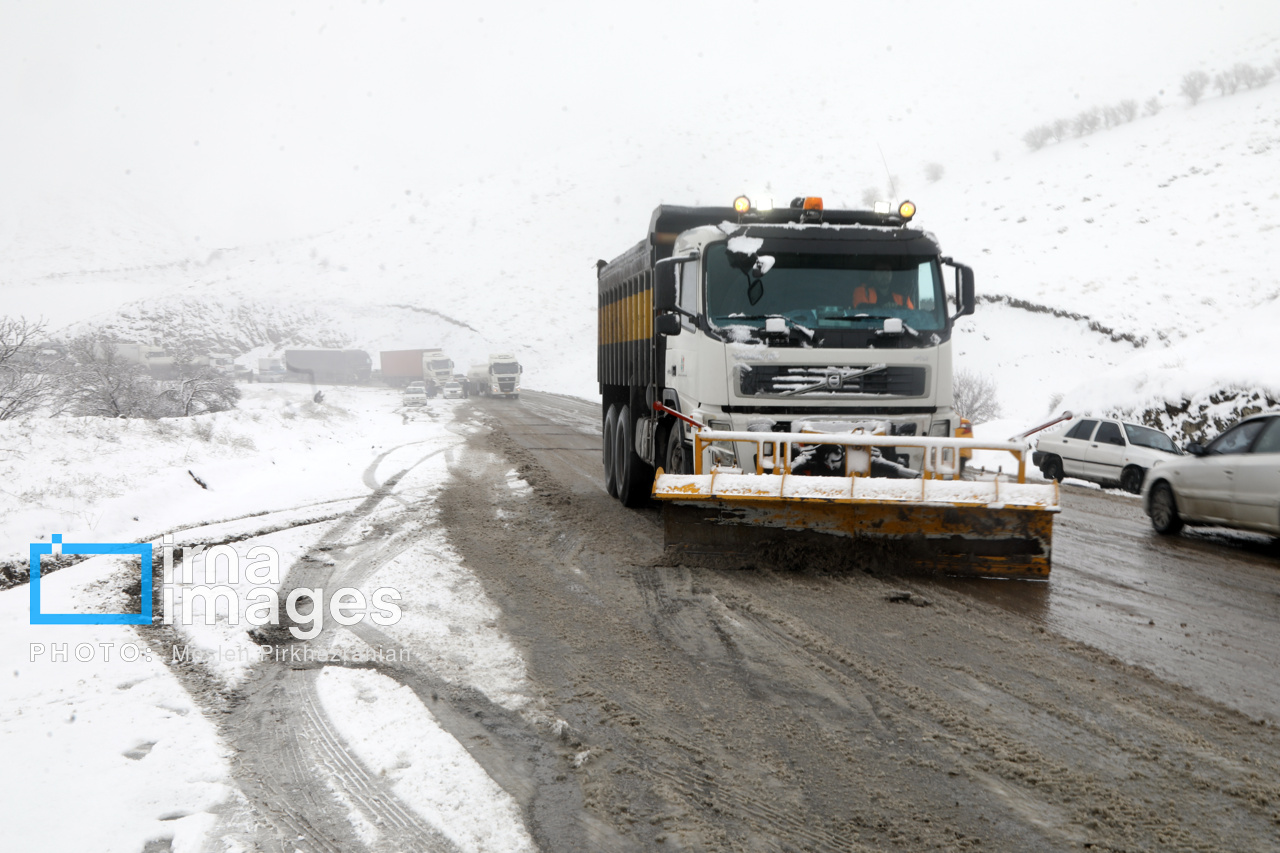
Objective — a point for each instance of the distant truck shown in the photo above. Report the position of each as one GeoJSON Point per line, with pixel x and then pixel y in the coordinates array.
{"type": "Point", "coordinates": [500, 377]}
{"type": "Point", "coordinates": [437, 368]}
{"type": "Point", "coordinates": [401, 366]}
{"type": "Point", "coordinates": [156, 360]}
{"type": "Point", "coordinates": [221, 363]}
{"type": "Point", "coordinates": [328, 366]}
{"type": "Point", "coordinates": [271, 370]}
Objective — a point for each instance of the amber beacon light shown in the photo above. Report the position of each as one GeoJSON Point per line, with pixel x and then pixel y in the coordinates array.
{"type": "Point", "coordinates": [742, 204]}
{"type": "Point", "coordinates": [907, 209]}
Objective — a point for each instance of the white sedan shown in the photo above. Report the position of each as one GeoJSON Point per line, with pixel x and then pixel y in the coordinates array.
{"type": "Point", "coordinates": [1233, 482]}
{"type": "Point", "coordinates": [1104, 451]}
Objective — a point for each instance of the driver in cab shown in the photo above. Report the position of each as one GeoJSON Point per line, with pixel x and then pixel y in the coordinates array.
{"type": "Point", "coordinates": [881, 288]}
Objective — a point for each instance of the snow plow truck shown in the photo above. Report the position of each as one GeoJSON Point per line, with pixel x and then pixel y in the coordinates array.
{"type": "Point", "coordinates": [780, 380]}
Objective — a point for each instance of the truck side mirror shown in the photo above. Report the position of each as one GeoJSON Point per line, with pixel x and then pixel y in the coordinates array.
{"type": "Point", "coordinates": [964, 289]}
{"type": "Point", "coordinates": [664, 286]}
{"type": "Point", "coordinates": [667, 324]}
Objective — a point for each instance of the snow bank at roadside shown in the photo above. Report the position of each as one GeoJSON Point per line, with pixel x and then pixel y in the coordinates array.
{"type": "Point", "coordinates": [103, 748]}
{"type": "Point", "coordinates": [397, 737]}
{"type": "Point", "coordinates": [100, 480]}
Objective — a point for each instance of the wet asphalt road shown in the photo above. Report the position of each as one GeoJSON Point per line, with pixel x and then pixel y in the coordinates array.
{"type": "Point", "coordinates": [1201, 609]}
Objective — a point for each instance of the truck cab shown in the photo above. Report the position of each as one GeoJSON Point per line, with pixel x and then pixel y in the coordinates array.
{"type": "Point", "coordinates": [796, 320]}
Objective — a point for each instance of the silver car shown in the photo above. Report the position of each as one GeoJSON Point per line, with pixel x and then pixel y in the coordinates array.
{"type": "Point", "coordinates": [1104, 451]}
{"type": "Point", "coordinates": [1232, 482]}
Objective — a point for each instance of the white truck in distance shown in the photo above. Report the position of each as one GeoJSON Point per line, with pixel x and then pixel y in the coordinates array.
{"type": "Point", "coordinates": [500, 377]}
{"type": "Point", "coordinates": [437, 369]}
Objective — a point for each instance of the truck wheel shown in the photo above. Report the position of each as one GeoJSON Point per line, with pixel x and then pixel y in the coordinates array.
{"type": "Point", "coordinates": [1052, 469]}
{"type": "Point", "coordinates": [606, 451]}
{"type": "Point", "coordinates": [1131, 479]}
{"type": "Point", "coordinates": [635, 478]}
{"type": "Point", "coordinates": [678, 455]}
{"type": "Point", "coordinates": [1164, 510]}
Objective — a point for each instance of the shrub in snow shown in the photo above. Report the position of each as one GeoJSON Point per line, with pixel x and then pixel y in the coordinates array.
{"type": "Point", "coordinates": [1128, 109]}
{"type": "Point", "coordinates": [1151, 107]}
{"type": "Point", "coordinates": [974, 397]}
{"type": "Point", "coordinates": [1087, 122]}
{"type": "Point", "coordinates": [1193, 85]}
{"type": "Point", "coordinates": [1037, 137]}
{"type": "Point", "coordinates": [933, 172]}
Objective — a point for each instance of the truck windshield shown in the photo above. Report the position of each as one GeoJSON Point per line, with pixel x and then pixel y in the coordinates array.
{"type": "Point", "coordinates": [504, 368]}
{"type": "Point", "coordinates": [441, 364]}
{"type": "Point", "coordinates": [826, 291]}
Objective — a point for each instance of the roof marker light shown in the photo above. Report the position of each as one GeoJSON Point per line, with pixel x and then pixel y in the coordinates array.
{"type": "Point", "coordinates": [765, 203]}
{"type": "Point", "coordinates": [881, 207]}
{"type": "Point", "coordinates": [742, 204]}
{"type": "Point", "coordinates": [813, 202]}
{"type": "Point", "coordinates": [907, 209]}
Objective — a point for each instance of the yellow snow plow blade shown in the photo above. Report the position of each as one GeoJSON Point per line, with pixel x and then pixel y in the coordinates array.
{"type": "Point", "coordinates": [936, 523]}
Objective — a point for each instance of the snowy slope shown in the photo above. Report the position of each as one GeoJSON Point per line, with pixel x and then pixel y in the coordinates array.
{"type": "Point", "coordinates": [1110, 267]}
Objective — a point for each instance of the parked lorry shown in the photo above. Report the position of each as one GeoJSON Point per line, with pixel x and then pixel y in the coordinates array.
{"type": "Point", "coordinates": [158, 362]}
{"type": "Point", "coordinates": [437, 368]}
{"type": "Point", "coordinates": [400, 367]}
{"type": "Point", "coordinates": [222, 363]}
{"type": "Point", "coordinates": [271, 370]}
{"type": "Point", "coordinates": [499, 377]}
{"type": "Point", "coordinates": [771, 374]}
{"type": "Point", "coordinates": [329, 366]}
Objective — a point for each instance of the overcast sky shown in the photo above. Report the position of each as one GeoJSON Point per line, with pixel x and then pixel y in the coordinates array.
{"type": "Point", "coordinates": [240, 122]}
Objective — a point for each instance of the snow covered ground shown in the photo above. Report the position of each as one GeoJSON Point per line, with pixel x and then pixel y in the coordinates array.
{"type": "Point", "coordinates": [94, 719]}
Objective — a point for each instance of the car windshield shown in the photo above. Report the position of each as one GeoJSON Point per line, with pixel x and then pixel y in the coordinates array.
{"type": "Point", "coordinates": [825, 291]}
{"type": "Point", "coordinates": [1146, 437]}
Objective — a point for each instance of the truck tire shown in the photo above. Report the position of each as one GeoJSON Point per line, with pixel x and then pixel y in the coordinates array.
{"type": "Point", "coordinates": [1164, 510]}
{"type": "Point", "coordinates": [607, 444]}
{"type": "Point", "coordinates": [1131, 479]}
{"type": "Point", "coordinates": [635, 478]}
{"type": "Point", "coordinates": [679, 455]}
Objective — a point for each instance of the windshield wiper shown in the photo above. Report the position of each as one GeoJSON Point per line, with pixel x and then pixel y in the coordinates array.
{"type": "Point", "coordinates": [835, 380]}
{"type": "Point", "coordinates": [848, 316]}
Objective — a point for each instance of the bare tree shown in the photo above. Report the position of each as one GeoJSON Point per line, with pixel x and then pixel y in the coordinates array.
{"type": "Point", "coordinates": [933, 172]}
{"type": "Point", "coordinates": [1152, 106]}
{"type": "Point", "coordinates": [1193, 85]}
{"type": "Point", "coordinates": [28, 377]}
{"type": "Point", "coordinates": [974, 396]}
{"type": "Point", "coordinates": [1226, 82]}
{"type": "Point", "coordinates": [870, 196]}
{"type": "Point", "coordinates": [197, 390]}
{"type": "Point", "coordinates": [103, 384]}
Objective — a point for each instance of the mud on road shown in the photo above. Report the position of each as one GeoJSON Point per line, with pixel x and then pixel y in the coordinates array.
{"type": "Point", "coordinates": [787, 709]}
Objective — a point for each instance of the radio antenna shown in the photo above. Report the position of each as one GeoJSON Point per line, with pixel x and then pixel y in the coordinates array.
{"type": "Point", "coordinates": [892, 187]}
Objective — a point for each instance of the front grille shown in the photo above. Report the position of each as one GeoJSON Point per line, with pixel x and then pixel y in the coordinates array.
{"type": "Point", "coordinates": [774, 379]}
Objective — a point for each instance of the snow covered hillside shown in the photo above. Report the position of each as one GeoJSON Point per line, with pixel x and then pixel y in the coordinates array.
{"type": "Point", "coordinates": [1126, 271]}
